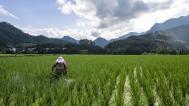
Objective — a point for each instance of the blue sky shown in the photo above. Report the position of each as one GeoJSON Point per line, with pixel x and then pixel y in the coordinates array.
{"type": "Point", "coordinates": [38, 13]}
{"type": "Point", "coordinates": [89, 18]}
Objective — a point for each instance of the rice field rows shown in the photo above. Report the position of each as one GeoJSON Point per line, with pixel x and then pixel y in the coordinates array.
{"type": "Point", "coordinates": [95, 80]}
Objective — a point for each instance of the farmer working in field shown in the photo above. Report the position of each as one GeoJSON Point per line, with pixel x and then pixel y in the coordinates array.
{"type": "Point", "coordinates": [60, 67]}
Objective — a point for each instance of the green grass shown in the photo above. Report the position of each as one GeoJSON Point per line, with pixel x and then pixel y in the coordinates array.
{"type": "Point", "coordinates": [25, 80]}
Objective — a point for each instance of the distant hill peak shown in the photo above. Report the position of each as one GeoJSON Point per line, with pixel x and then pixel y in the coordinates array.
{"type": "Point", "coordinates": [69, 39]}
{"type": "Point", "coordinates": [3, 22]}
{"type": "Point", "coordinates": [41, 36]}
{"type": "Point", "coordinates": [102, 42]}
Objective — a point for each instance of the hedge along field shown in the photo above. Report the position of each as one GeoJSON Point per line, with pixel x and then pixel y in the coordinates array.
{"type": "Point", "coordinates": [96, 80]}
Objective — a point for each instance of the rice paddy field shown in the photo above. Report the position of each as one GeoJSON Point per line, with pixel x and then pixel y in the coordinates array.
{"type": "Point", "coordinates": [95, 80]}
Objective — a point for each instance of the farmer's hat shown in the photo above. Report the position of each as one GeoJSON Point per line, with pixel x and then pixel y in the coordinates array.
{"type": "Point", "coordinates": [60, 60]}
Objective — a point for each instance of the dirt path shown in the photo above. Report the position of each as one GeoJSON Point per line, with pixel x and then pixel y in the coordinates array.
{"type": "Point", "coordinates": [187, 100]}
{"type": "Point", "coordinates": [157, 102]}
{"type": "Point", "coordinates": [112, 101]}
{"type": "Point", "coordinates": [127, 92]}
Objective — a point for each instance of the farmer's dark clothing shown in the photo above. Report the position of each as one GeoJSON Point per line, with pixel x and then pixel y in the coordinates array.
{"type": "Point", "coordinates": [59, 69]}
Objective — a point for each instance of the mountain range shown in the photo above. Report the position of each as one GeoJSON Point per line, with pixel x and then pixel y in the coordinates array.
{"type": "Point", "coordinates": [171, 23]}
{"type": "Point", "coordinates": [172, 34]}
{"type": "Point", "coordinates": [11, 36]}
{"type": "Point", "coordinates": [156, 42]}
{"type": "Point", "coordinates": [167, 26]}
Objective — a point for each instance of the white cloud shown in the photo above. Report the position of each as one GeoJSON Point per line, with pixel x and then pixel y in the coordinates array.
{"type": "Point", "coordinates": [144, 22]}
{"type": "Point", "coordinates": [113, 18]}
{"type": "Point", "coordinates": [4, 12]}
{"type": "Point", "coordinates": [109, 12]}
{"type": "Point", "coordinates": [66, 6]}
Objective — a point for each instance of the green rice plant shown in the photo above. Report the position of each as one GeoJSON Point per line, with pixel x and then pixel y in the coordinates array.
{"type": "Point", "coordinates": [91, 80]}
